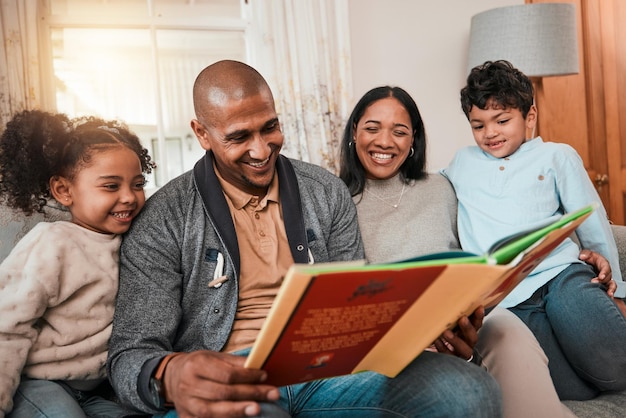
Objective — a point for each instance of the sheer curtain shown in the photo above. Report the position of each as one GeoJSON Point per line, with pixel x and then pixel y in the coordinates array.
{"type": "Point", "coordinates": [19, 59]}
{"type": "Point", "coordinates": [302, 47]}
{"type": "Point", "coordinates": [20, 89]}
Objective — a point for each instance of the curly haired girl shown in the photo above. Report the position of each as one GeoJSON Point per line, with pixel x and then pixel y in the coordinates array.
{"type": "Point", "coordinates": [58, 285]}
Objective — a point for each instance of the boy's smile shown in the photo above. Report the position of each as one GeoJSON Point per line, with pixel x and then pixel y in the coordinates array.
{"type": "Point", "coordinates": [500, 131]}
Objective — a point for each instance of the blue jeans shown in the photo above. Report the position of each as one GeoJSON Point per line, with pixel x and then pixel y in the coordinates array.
{"type": "Point", "coordinates": [433, 385]}
{"type": "Point", "coordinates": [582, 332]}
{"type": "Point", "coordinates": [53, 399]}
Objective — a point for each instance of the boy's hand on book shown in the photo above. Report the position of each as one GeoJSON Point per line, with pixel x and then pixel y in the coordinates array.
{"type": "Point", "coordinates": [461, 340]}
{"type": "Point", "coordinates": [208, 383]}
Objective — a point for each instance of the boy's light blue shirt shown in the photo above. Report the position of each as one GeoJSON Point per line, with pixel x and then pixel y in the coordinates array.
{"type": "Point", "coordinates": [538, 183]}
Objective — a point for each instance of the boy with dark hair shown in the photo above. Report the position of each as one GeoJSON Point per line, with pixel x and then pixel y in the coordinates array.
{"type": "Point", "coordinates": [508, 183]}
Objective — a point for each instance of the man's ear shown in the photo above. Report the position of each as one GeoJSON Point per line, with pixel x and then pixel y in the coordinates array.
{"type": "Point", "coordinates": [201, 134]}
{"type": "Point", "coordinates": [60, 189]}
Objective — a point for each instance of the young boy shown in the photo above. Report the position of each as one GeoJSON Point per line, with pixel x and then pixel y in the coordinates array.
{"type": "Point", "coordinates": [507, 184]}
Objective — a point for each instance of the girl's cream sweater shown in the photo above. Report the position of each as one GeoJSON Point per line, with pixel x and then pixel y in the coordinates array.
{"type": "Point", "coordinates": [57, 295]}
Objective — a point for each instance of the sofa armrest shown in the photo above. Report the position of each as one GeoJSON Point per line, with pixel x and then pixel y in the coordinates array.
{"type": "Point", "coordinates": [619, 233]}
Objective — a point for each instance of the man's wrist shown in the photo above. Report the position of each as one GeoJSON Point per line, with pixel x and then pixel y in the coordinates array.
{"type": "Point", "coordinates": [157, 383]}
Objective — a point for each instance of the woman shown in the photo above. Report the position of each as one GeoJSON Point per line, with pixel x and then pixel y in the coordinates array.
{"type": "Point", "coordinates": [405, 212]}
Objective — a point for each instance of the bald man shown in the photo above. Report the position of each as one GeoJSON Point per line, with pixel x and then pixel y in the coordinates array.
{"type": "Point", "coordinates": [201, 265]}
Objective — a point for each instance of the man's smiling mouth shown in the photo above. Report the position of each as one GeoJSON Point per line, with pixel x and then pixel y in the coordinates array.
{"type": "Point", "coordinates": [259, 164]}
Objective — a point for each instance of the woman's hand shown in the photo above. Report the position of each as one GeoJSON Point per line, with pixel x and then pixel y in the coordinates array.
{"type": "Point", "coordinates": [461, 341]}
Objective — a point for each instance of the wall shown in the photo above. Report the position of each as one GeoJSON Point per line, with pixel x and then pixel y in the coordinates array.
{"type": "Point", "coordinates": [420, 46]}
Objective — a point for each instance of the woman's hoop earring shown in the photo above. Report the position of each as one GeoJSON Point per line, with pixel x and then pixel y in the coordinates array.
{"type": "Point", "coordinates": [411, 152]}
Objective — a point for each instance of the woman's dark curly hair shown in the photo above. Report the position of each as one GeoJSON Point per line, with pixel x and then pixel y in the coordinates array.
{"type": "Point", "coordinates": [351, 170]}
{"type": "Point", "coordinates": [38, 145]}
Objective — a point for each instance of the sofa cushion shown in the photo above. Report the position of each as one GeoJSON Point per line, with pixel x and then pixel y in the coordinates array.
{"type": "Point", "coordinates": [619, 233]}
{"type": "Point", "coordinates": [14, 224]}
{"type": "Point", "coordinates": [607, 405]}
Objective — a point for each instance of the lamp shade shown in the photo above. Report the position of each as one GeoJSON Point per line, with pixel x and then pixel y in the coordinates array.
{"type": "Point", "coordinates": [539, 39]}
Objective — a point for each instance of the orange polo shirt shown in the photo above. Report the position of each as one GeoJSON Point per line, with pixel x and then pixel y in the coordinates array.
{"type": "Point", "coordinates": [265, 257]}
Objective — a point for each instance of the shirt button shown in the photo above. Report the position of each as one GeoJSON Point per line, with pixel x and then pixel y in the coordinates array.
{"type": "Point", "coordinates": [501, 168]}
{"type": "Point", "coordinates": [540, 177]}
{"type": "Point", "coordinates": [261, 233]}
{"type": "Point", "coordinates": [216, 310]}
{"type": "Point", "coordinates": [300, 247]}
{"type": "Point", "coordinates": [256, 215]}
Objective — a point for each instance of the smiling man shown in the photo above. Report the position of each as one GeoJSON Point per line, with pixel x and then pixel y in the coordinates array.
{"type": "Point", "coordinates": [202, 264]}
{"type": "Point", "coordinates": [238, 122]}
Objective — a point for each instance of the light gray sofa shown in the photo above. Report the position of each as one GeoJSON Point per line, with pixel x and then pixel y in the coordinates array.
{"type": "Point", "coordinates": [14, 225]}
{"type": "Point", "coordinates": [609, 405]}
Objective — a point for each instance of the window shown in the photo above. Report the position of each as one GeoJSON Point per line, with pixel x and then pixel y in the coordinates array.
{"type": "Point", "coordinates": [136, 60]}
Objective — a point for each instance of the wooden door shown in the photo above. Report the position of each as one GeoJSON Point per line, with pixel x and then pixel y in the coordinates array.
{"type": "Point", "coordinates": [588, 110]}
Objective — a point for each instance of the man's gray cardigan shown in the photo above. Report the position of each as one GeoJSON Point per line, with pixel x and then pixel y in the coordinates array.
{"type": "Point", "coordinates": [169, 256]}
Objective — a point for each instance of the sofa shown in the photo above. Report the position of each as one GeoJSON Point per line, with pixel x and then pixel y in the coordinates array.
{"type": "Point", "coordinates": [608, 405]}
{"type": "Point", "coordinates": [14, 225]}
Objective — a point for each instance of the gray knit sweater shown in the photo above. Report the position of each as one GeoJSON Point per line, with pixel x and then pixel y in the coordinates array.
{"type": "Point", "coordinates": [169, 256]}
{"type": "Point", "coordinates": [427, 209]}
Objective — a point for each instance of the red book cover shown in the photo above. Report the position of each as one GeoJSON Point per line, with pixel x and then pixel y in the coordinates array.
{"type": "Point", "coordinates": [341, 317]}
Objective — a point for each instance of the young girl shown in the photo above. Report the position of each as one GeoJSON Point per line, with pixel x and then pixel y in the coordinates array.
{"type": "Point", "coordinates": [58, 285]}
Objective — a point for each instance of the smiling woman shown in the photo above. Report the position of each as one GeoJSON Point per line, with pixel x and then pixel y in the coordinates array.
{"type": "Point", "coordinates": [384, 138]}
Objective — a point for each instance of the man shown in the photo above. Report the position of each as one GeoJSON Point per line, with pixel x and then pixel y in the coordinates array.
{"type": "Point", "coordinates": [202, 264]}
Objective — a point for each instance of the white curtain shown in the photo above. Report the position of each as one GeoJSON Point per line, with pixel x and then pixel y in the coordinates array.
{"type": "Point", "coordinates": [302, 47]}
{"type": "Point", "coordinates": [20, 86]}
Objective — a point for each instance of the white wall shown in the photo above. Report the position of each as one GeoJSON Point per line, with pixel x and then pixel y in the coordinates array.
{"type": "Point", "coordinates": [420, 46]}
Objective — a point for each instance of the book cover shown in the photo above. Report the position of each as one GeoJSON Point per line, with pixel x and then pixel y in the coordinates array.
{"type": "Point", "coordinates": [339, 318]}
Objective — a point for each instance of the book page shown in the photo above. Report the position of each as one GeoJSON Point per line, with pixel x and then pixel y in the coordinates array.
{"type": "Point", "coordinates": [458, 291]}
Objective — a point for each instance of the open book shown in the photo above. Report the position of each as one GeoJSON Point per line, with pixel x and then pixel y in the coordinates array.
{"type": "Point", "coordinates": [333, 319]}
